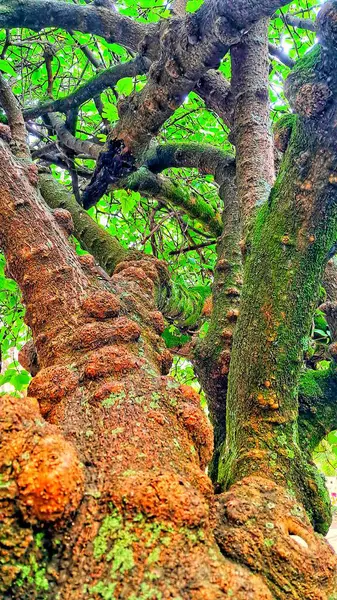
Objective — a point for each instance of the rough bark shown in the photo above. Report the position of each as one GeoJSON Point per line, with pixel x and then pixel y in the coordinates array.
{"type": "Point", "coordinates": [103, 491]}
{"type": "Point", "coordinates": [97, 496]}
{"type": "Point", "coordinates": [203, 39]}
{"type": "Point", "coordinates": [134, 441]}
{"type": "Point", "coordinates": [89, 19]}
{"type": "Point", "coordinates": [243, 188]}
{"type": "Point", "coordinates": [212, 354]}
{"type": "Point", "coordinates": [251, 127]}
{"type": "Point", "coordinates": [291, 240]}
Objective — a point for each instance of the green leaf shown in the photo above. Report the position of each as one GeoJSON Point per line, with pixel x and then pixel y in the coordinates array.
{"type": "Point", "coordinates": [7, 68]}
{"type": "Point", "coordinates": [125, 86]}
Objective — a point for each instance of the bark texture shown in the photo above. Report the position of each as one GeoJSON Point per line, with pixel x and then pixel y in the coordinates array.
{"type": "Point", "coordinates": [103, 489]}
{"type": "Point", "coordinates": [104, 431]}
{"type": "Point", "coordinates": [291, 240]}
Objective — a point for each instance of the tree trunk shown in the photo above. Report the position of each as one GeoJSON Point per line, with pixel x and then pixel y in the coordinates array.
{"type": "Point", "coordinates": [103, 492]}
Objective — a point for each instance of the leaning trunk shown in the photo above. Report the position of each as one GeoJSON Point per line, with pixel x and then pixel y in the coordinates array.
{"type": "Point", "coordinates": [103, 489]}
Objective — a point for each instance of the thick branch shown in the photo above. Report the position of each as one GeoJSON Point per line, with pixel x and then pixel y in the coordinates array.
{"type": "Point", "coordinates": [212, 353]}
{"type": "Point", "coordinates": [203, 39]}
{"type": "Point", "coordinates": [90, 89]}
{"type": "Point", "coordinates": [215, 90]}
{"type": "Point", "coordinates": [293, 234]}
{"type": "Point", "coordinates": [207, 159]}
{"type": "Point", "coordinates": [252, 133]}
{"type": "Point", "coordinates": [162, 187]}
{"type": "Point", "coordinates": [212, 88]}
{"type": "Point", "coordinates": [190, 47]}
{"type": "Point", "coordinates": [15, 119]}
{"type": "Point", "coordinates": [45, 261]}
{"type": "Point", "coordinates": [106, 23]}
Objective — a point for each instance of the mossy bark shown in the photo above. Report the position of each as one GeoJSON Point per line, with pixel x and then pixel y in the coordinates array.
{"type": "Point", "coordinates": [292, 236]}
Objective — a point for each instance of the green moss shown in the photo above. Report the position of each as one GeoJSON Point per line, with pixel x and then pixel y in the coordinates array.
{"type": "Point", "coordinates": [109, 528]}
{"type": "Point", "coordinates": [153, 556]}
{"type": "Point", "coordinates": [308, 62]}
{"type": "Point", "coordinates": [123, 544]}
{"type": "Point", "coordinates": [113, 399]}
{"type": "Point", "coordinates": [286, 122]}
{"type": "Point", "coordinates": [33, 574]}
{"type": "Point", "coordinates": [155, 400]}
{"type": "Point", "coordinates": [292, 234]}
{"type": "Point", "coordinates": [4, 484]}
{"type": "Point", "coordinates": [310, 384]}
{"type": "Point", "coordinates": [105, 590]}
{"type": "Point", "coordinates": [117, 431]}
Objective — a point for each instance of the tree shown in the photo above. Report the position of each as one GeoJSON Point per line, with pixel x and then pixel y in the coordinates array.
{"type": "Point", "coordinates": [103, 489]}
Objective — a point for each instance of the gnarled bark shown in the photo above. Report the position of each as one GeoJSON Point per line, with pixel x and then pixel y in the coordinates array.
{"type": "Point", "coordinates": [140, 504]}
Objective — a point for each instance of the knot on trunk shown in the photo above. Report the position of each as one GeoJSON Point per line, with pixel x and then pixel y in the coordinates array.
{"type": "Point", "coordinates": [51, 385]}
{"type": "Point", "coordinates": [260, 524]}
{"type": "Point", "coordinates": [41, 474]}
{"type": "Point", "coordinates": [164, 495]}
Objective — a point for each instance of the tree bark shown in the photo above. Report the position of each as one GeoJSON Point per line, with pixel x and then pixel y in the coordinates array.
{"type": "Point", "coordinates": [288, 254]}
{"type": "Point", "coordinates": [102, 488]}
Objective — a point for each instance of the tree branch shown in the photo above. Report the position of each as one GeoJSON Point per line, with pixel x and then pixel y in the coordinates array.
{"type": "Point", "coordinates": [206, 158]}
{"type": "Point", "coordinates": [90, 89]}
{"type": "Point", "coordinates": [190, 47]}
{"type": "Point", "coordinates": [15, 119]}
{"type": "Point", "coordinates": [212, 88]}
{"type": "Point", "coordinates": [184, 309]}
{"type": "Point", "coordinates": [211, 357]}
{"type": "Point", "coordinates": [281, 56]}
{"type": "Point", "coordinates": [38, 14]}
{"type": "Point", "coordinates": [162, 187]}
{"type": "Point", "coordinates": [107, 250]}
{"type": "Point", "coordinates": [252, 133]}
{"type": "Point", "coordinates": [70, 141]}
{"type": "Point", "coordinates": [215, 91]}
{"type": "Point", "coordinates": [209, 159]}
{"type": "Point", "coordinates": [299, 23]}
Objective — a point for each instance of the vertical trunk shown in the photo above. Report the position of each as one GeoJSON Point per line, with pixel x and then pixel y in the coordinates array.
{"type": "Point", "coordinates": [252, 130]}
{"type": "Point", "coordinates": [212, 353]}
{"type": "Point", "coordinates": [290, 243]}
{"type": "Point", "coordinates": [259, 525]}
